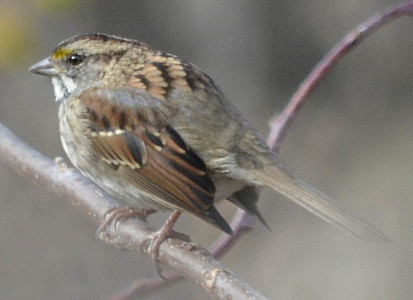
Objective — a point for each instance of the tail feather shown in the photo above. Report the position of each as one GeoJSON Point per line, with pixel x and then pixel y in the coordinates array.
{"type": "Point", "coordinates": [213, 217]}
{"type": "Point", "coordinates": [317, 203]}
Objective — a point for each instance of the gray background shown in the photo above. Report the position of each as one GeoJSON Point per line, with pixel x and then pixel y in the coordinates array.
{"type": "Point", "coordinates": [353, 141]}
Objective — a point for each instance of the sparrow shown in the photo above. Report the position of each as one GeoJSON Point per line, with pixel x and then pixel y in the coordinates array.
{"type": "Point", "coordinates": [156, 132]}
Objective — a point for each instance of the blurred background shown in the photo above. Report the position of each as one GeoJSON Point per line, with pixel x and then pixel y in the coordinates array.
{"type": "Point", "coordinates": [353, 141]}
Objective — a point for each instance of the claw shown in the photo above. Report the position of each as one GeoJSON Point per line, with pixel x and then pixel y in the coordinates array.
{"type": "Point", "coordinates": [151, 245]}
{"type": "Point", "coordinates": [119, 214]}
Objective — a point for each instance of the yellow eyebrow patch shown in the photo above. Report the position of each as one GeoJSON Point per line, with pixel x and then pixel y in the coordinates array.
{"type": "Point", "coordinates": [61, 52]}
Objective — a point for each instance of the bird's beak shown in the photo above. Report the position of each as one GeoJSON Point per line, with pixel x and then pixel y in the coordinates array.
{"type": "Point", "coordinates": [44, 67]}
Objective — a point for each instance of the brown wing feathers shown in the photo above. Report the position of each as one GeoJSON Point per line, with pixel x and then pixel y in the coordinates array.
{"type": "Point", "coordinates": [155, 158]}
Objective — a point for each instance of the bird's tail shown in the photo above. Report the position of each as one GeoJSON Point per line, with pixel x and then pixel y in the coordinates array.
{"type": "Point", "coordinates": [315, 202]}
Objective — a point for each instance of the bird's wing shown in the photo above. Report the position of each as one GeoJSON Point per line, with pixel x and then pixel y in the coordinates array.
{"type": "Point", "coordinates": [130, 132]}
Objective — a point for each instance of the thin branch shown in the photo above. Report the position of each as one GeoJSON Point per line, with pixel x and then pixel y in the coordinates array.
{"type": "Point", "coordinates": [187, 259]}
{"type": "Point", "coordinates": [241, 223]}
{"type": "Point", "coordinates": [280, 123]}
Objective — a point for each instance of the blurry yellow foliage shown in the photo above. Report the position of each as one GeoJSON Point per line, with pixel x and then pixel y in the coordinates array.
{"type": "Point", "coordinates": [15, 38]}
{"type": "Point", "coordinates": [56, 5]}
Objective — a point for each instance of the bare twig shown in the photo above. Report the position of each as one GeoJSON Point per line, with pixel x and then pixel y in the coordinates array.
{"type": "Point", "coordinates": [241, 222]}
{"type": "Point", "coordinates": [280, 123]}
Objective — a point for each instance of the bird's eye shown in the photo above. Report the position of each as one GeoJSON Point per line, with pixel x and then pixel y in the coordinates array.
{"type": "Point", "coordinates": [76, 59]}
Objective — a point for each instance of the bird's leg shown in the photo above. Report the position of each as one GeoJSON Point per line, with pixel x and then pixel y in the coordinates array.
{"type": "Point", "coordinates": [152, 244]}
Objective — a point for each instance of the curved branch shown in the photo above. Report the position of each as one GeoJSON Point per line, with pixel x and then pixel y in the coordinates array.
{"type": "Point", "coordinates": [280, 123]}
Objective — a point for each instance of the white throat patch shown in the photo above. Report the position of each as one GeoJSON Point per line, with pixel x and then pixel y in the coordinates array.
{"type": "Point", "coordinates": [63, 86]}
